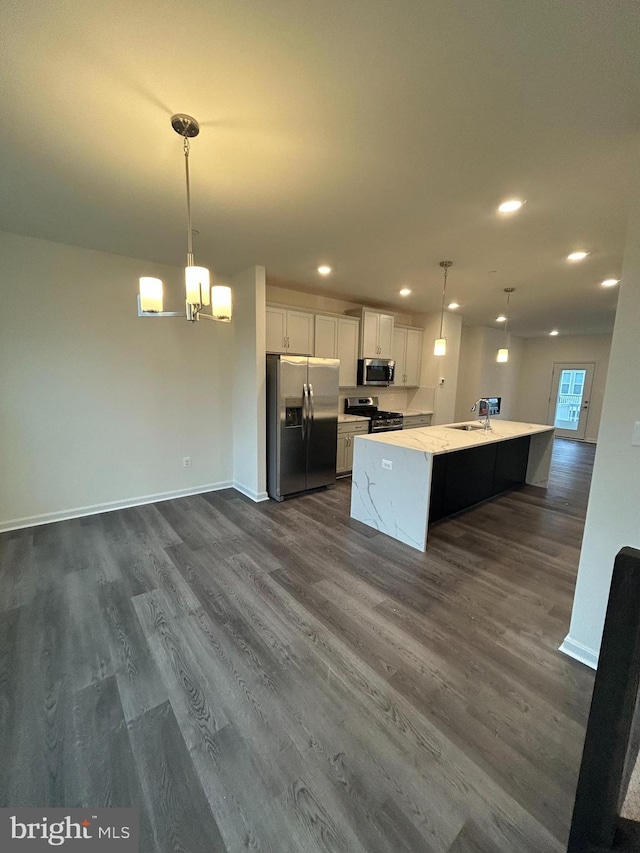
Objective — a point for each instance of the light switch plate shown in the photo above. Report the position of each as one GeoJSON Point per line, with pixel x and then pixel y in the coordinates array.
{"type": "Point", "coordinates": [635, 435]}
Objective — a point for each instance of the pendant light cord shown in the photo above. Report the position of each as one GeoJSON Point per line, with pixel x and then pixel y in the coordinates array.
{"type": "Point", "coordinates": [444, 290]}
{"type": "Point", "coordinates": [506, 321]}
{"type": "Point", "coordinates": [190, 260]}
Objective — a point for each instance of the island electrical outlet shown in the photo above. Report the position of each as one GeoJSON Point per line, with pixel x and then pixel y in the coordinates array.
{"type": "Point", "coordinates": [388, 464]}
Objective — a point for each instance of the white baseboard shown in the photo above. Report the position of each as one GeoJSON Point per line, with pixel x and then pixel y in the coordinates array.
{"type": "Point", "coordinates": [257, 497]}
{"type": "Point", "coordinates": [79, 512]}
{"type": "Point", "coordinates": [578, 652]}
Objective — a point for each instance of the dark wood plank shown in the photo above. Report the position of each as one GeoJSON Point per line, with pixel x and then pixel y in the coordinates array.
{"type": "Point", "coordinates": [178, 811]}
{"type": "Point", "coordinates": [139, 683]}
{"type": "Point", "coordinates": [473, 840]}
{"type": "Point", "coordinates": [97, 777]}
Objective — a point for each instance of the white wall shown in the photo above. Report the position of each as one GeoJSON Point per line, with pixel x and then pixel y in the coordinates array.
{"type": "Point", "coordinates": [247, 372]}
{"type": "Point", "coordinates": [480, 375]}
{"type": "Point", "coordinates": [538, 357]}
{"type": "Point", "coordinates": [436, 367]}
{"type": "Point", "coordinates": [613, 514]}
{"type": "Point", "coordinates": [97, 405]}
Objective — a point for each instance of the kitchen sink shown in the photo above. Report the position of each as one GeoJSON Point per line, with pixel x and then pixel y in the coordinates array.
{"type": "Point", "coordinates": [467, 427]}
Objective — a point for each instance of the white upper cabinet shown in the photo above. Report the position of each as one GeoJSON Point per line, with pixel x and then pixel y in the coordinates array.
{"type": "Point", "coordinates": [276, 329]}
{"type": "Point", "coordinates": [376, 338]}
{"type": "Point", "coordinates": [300, 332]}
{"type": "Point", "coordinates": [326, 345]}
{"type": "Point", "coordinates": [385, 335]}
{"type": "Point", "coordinates": [413, 359]}
{"type": "Point", "coordinates": [348, 333]}
{"type": "Point", "coordinates": [399, 354]}
{"type": "Point", "coordinates": [337, 337]}
{"type": "Point", "coordinates": [289, 331]}
{"type": "Point", "coordinates": [407, 354]}
{"type": "Point", "coordinates": [370, 332]}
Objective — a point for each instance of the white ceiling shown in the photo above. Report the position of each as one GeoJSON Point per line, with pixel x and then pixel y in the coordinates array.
{"type": "Point", "coordinates": [374, 135]}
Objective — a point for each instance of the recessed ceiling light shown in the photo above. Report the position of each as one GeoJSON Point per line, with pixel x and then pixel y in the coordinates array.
{"type": "Point", "coordinates": [500, 319]}
{"type": "Point", "coordinates": [405, 291]}
{"type": "Point", "coordinates": [453, 305]}
{"type": "Point", "coordinates": [577, 256]}
{"type": "Point", "coordinates": [610, 282]}
{"type": "Point", "coordinates": [553, 332]}
{"type": "Point", "coordinates": [510, 205]}
{"type": "Point", "coordinates": [324, 269]}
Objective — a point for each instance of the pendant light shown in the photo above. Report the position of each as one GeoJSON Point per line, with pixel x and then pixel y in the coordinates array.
{"type": "Point", "coordinates": [440, 344]}
{"type": "Point", "coordinates": [503, 352]}
{"type": "Point", "coordinates": [199, 292]}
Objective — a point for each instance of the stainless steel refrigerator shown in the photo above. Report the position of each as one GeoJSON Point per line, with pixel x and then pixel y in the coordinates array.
{"type": "Point", "coordinates": [302, 423]}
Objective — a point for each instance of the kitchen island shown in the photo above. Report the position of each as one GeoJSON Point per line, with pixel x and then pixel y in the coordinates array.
{"type": "Point", "coordinates": [403, 480]}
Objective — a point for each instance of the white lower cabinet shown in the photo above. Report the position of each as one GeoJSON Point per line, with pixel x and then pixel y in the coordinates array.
{"type": "Point", "coordinates": [346, 433]}
{"type": "Point", "coordinates": [413, 421]}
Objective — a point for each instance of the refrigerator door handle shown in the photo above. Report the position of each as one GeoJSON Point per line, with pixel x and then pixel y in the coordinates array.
{"type": "Point", "coordinates": [305, 411]}
{"type": "Point", "coordinates": [312, 407]}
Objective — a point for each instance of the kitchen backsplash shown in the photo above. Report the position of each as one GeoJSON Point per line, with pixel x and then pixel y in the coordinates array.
{"type": "Point", "coordinates": [393, 399]}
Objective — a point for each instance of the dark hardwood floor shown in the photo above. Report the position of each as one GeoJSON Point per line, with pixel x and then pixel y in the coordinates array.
{"type": "Point", "coordinates": [278, 677]}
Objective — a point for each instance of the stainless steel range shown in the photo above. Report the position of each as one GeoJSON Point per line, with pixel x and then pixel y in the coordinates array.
{"type": "Point", "coordinates": [368, 407]}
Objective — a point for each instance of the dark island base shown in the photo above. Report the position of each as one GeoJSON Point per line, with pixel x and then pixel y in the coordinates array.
{"type": "Point", "coordinates": [465, 478]}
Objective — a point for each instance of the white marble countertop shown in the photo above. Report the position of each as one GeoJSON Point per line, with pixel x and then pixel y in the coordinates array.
{"type": "Point", "coordinates": [443, 439]}
{"type": "Point", "coordinates": [409, 413]}
{"type": "Point", "coordinates": [347, 419]}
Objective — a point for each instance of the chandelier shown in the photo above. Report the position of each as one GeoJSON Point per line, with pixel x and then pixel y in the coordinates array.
{"type": "Point", "coordinates": [199, 292]}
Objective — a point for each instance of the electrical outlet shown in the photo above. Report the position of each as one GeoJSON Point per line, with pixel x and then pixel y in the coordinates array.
{"type": "Point", "coordinates": [186, 462]}
{"type": "Point", "coordinates": [388, 464]}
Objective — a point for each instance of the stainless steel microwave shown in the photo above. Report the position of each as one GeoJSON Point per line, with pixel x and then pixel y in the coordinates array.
{"type": "Point", "coordinates": [376, 371]}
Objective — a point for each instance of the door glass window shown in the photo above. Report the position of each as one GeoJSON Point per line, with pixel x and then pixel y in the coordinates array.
{"type": "Point", "coordinates": [569, 401]}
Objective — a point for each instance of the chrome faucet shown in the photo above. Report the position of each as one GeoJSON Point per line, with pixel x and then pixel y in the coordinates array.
{"type": "Point", "coordinates": [476, 405]}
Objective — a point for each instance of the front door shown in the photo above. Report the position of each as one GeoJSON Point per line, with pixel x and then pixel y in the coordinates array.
{"type": "Point", "coordinates": [569, 400]}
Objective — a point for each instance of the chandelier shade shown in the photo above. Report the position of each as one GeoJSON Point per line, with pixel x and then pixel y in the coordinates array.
{"type": "Point", "coordinates": [150, 294]}
{"type": "Point", "coordinates": [221, 303]}
{"type": "Point", "coordinates": [197, 285]}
